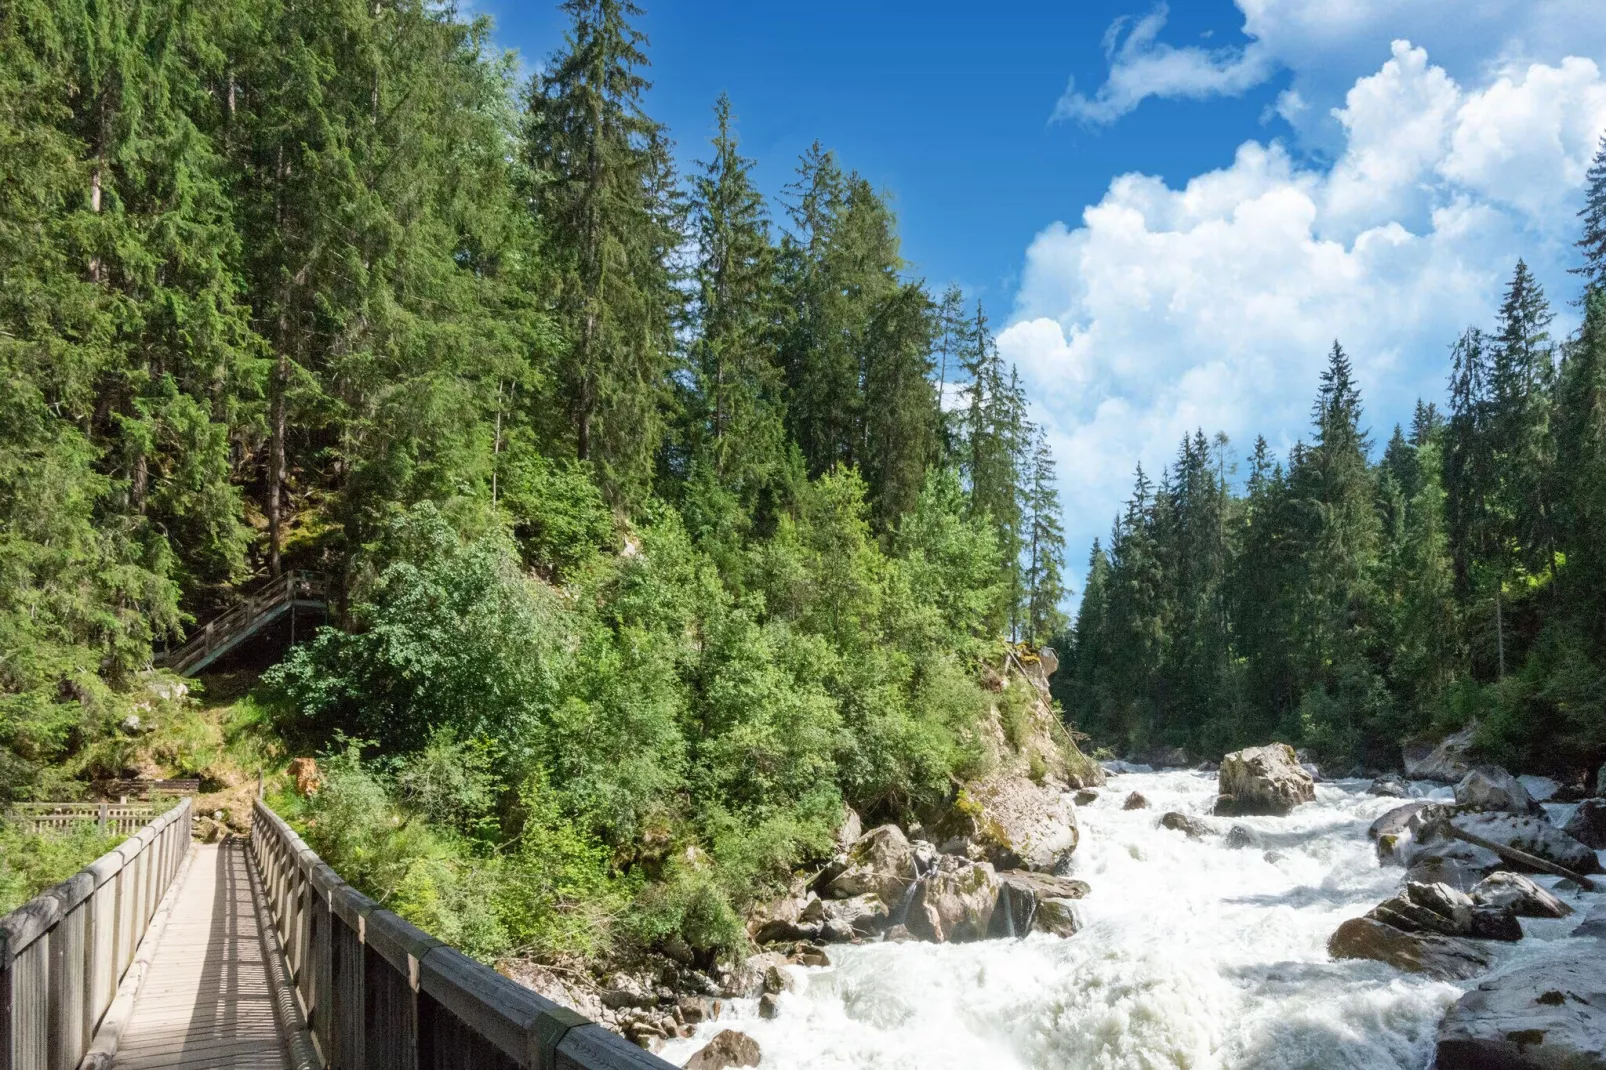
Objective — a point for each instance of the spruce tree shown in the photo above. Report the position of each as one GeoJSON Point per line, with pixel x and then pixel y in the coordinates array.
{"type": "Point", "coordinates": [1045, 545]}
{"type": "Point", "coordinates": [1592, 243]}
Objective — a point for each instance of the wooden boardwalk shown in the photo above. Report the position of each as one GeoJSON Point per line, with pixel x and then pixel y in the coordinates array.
{"type": "Point", "coordinates": [209, 1000]}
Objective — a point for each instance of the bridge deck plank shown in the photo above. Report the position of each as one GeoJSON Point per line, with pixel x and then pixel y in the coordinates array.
{"type": "Point", "coordinates": [206, 1001]}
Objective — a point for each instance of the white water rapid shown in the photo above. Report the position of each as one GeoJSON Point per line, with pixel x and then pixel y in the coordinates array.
{"type": "Point", "coordinates": [1193, 954]}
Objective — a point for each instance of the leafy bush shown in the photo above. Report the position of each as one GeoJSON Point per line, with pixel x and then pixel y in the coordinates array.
{"type": "Point", "coordinates": [30, 862]}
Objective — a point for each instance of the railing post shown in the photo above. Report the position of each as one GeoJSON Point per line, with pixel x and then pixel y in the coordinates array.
{"type": "Point", "coordinates": [102, 821]}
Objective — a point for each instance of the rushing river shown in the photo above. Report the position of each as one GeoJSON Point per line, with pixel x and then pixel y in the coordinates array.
{"type": "Point", "coordinates": [1193, 954]}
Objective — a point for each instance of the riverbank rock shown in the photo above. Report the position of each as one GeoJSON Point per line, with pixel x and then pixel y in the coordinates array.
{"type": "Point", "coordinates": [1518, 894]}
{"type": "Point", "coordinates": [1489, 787]}
{"type": "Point", "coordinates": [1017, 823]}
{"type": "Point", "coordinates": [1548, 1016]}
{"type": "Point", "coordinates": [1086, 797]}
{"type": "Point", "coordinates": [1534, 835]}
{"type": "Point", "coordinates": [1392, 785]}
{"type": "Point", "coordinates": [881, 862]}
{"type": "Point", "coordinates": [1447, 762]}
{"type": "Point", "coordinates": [1135, 801]}
{"type": "Point", "coordinates": [1262, 780]}
{"type": "Point", "coordinates": [1023, 898]}
{"type": "Point", "coordinates": [1588, 824]}
{"type": "Point", "coordinates": [954, 903]}
{"type": "Point", "coordinates": [1192, 827]}
{"type": "Point", "coordinates": [841, 920]}
{"type": "Point", "coordinates": [1449, 958]}
{"type": "Point", "coordinates": [1057, 917]}
{"type": "Point", "coordinates": [1435, 908]}
{"type": "Point", "coordinates": [1391, 830]}
{"type": "Point", "coordinates": [729, 1048]}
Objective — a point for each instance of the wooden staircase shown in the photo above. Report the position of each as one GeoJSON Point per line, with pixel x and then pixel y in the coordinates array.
{"type": "Point", "coordinates": [285, 595]}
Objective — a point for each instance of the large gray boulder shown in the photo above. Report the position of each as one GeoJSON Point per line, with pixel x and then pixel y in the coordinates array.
{"type": "Point", "coordinates": [881, 862]}
{"type": "Point", "coordinates": [1449, 958]}
{"type": "Point", "coordinates": [1262, 780]}
{"type": "Point", "coordinates": [1534, 835]}
{"type": "Point", "coordinates": [1447, 763]}
{"type": "Point", "coordinates": [954, 903]}
{"type": "Point", "coordinates": [1434, 908]}
{"type": "Point", "coordinates": [1518, 894]}
{"type": "Point", "coordinates": [1548, 1016]}
{"type": "Point", "coordinates": [728, 1049]}
{"type": "Point", "coordinates": [1392, 785]}
{"type": "Point", "coordinates": [1490, 787]}
{"type": "Point", "coordinates": [1393, 830]}
{"type": "Point", "coordinates": [847, 919]}
{"type": "Point", "coordinates": [1588, 824]}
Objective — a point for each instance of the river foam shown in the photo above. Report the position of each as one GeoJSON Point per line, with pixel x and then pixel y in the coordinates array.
{"type": "Point", "coordinates": [1193, 954]}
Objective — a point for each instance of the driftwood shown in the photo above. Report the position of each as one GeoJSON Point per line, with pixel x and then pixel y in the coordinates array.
{"type": "Point", "coordinates": [1517, 857]}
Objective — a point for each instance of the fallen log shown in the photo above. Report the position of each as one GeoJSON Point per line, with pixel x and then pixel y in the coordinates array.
{"type": "Point", "coordinates": [1517, 857]}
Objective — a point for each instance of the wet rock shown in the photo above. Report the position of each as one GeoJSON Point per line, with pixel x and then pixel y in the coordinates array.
{"type": "Point", "coordinates": [1496, 924]}
{"type": "Point", "coordinates": [1086, 797]}
{"type": "Point", "coordinates": [1170, 758]}
{"type": "Point", "coordinates": [1262, 780]}
{"type": "Point", "coordinates": [1057, 917]}
{"type": "Point", "coordinates": [1447, 763]}
{"type": "Point", "coordinates": [695, 1010]}
{"type": "Point", "coordinates": [1135, 801]}
{"type": "Point", "coordinates": [1021, 895]}
{"type": "Point", "coordinates": [1521, 896]}
{"type": "Point", "coordinates": [844, 919]}
{"type": "Point", "coordinates": [1391, 830]}
{"type": "Point", "coordinates": [1450, 958]}
{"type": "Point", "coordinates": [1239, 837]}
{"type": "Point", "coordinates": [1588, 824]}
{"type": "Point", "coordinates": [729, 1048]}
{"type": "Point", "coordinates": [881, 862]}
{"type": "Point", "coordinates": [1594, 923]}
{"type": "Point", "coordinates": [1489, 787]}
{"type": "Point", "coordinates": [768, 1006]}
{"type": "Point", "coordinates": [1045, 885]}
{"type": "Point", "coordinates": [897, 934]}
{"type": "Point", "coordinates": [1600, 781]}
{"type": "Point", "coordinates": [1541, 788]}
{"type": "Point", "coordinates": [1392, 785]}
{"type": "Point", "coordinates": [1271, 858]}
{"type": "Point", "coordinates": [809, 955]}
{"type": "Point", "coordinates": [1017, 823]}
{"type": "Point", "coordinates": [1534, 835]}
{"type": "Point", "coordinates": [1435, 908]}
{"type": "Point", "coordinates": [1194, 828]}
{"type": "Point", "coordinates": [777, 980]}
{"type": "Point", "coordinates": [1547, 1016]}
{"type": "Point", "coordinates": [955, 903]}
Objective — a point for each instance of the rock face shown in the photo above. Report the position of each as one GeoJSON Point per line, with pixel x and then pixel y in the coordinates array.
{"type": "Point", "coordinates": [881, 862]}
{"type": "Point", "coordinates": [728, 1049]}
{"type": "Point", "coordinates": [1450, 958]}
{"type": "Point", "coordinates": [954, 903]}
{"type": "Point", "coordinates": [1489, 787]}
{"type": "Point", "coordinates": [1018, 823]}
{"type": "Point", "coordinates": [1447, 763]}
{"type": "Point", "coordinates": [1192, 827]}
{"type": "Point", "coordinates": [1588, 824]}
{"type": "Point", "coordinates": [1521, 896]}
{"type": "Point", "coordinates": [1550, 1016]}
{"type": "Point", "coordinates": [1262, 780]}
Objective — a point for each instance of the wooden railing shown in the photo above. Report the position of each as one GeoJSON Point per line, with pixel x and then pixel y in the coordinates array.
{"type": "Point", "coordinates": [126, 818]}
{"type": "Point", "coordinates": [147, 789]}
{"type": "Point", "coordinates": [377, 991]}
{"type": "Point", "coordinates": [63, 953]}
{"type": "Point", "coordinates": [264, 605]}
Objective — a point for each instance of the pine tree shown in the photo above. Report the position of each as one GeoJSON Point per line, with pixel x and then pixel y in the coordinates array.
{"type": "Point", "coordinates": [1521, 375]}
{"type": "Point", "coordinates": [900, 412]}
{"type": "Point", "coordinates": [1045, 545]}
{"type": "Point", "coordinates": [604, 196]}
{"type": "Point", "coordinates": [1592, 243]}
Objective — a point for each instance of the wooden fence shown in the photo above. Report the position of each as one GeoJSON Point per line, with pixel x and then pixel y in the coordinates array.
{"type": "Point", "coordinates": [263, 606]}
{"type": "Point", "coordinates": [126, 818]}
{"type": "Point", "coordinates": [377, 991]}
{"type": "Point", "coordinates": [63, 953]}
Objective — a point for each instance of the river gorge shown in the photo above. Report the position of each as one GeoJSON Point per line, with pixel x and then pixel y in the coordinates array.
{"type": "Point", "coordinates": [1192, 953]}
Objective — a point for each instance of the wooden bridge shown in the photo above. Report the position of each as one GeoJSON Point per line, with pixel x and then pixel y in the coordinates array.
{"type": "Point", "coordinates": [285, 595]}
{"type": "Point", "coordinates": [256, 954]}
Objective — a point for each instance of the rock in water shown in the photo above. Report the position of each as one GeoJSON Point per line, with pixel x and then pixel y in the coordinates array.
{"type": "Point", "coordinates": [955, 903]}
{"type": "Point", "coordinates": [1435, 908]}
{"type": "Point", "coordinates": [1447, 763]}
{"type": "Point", "coordinates": [1550, 1016]}
{"type": "Point", "coordinates": [1449, 958]}
{"type": "Point", "coordinates": [1490, 787]}
{"type": "Point", "coordinates": [1588, 824]}
{"type": "Point", "coordinates": [1135, 801]}
{"type": "Point", "coordinates": [1192, 827]}
{"type": "Point", "coordinates": [728, 1049]}
{"type": "Point", "coordinates": [1390, 784]}
{"type": "Point", "coordinates": [1534, 835]}
{"type": "Point", "coordinates": [1057, 917]}
{"type": "Point", "coordinates": [882, 861]}
{"type": "Point", "coordinates": [1262, 780]}
{"type": "Point", "coordinates": [1017, 822]}
{"type": "Point", "coordinates": [1518, 894]}
{"type": "Point", "coordinates": [1393, 828]}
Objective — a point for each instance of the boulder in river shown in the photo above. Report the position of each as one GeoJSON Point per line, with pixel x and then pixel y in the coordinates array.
{"type": "Point", "coordinates": [1588, 824]}
{"type": "Point", "coordinates": [847, 919]}
{"type": "Point", "coordinates": [1021, 895]}
{"type": "Point", "coordinates": [1057, 917]}
{"type": "Point", "coordinates": [1086, 797]}
{"type": "Point", "coordinates": [1546, 1016]}
{"type": "Point", "coordinates": [1449, 958]}
{"type": "Point", "coordinates": [1194, 828]}
{"type": "Point", "coordinates": [1262, 780]}
{"type": "Point", "coordinates": [1394, 827]}
{"type": "Point", "coordinates": [1239, 837]}
{"type": "Point", "coordinates": [728, 1049]}
{"type": "Point", "coordinates": [1016, 823]}
{"type": "Point", "coordinates": [1490, 787]}
{"type": "Point", "coordinates": [1135, 801]}
{"type": "Point", "coordinates": [1434, 908]}
{"type": "Point", "coordinates": [1447, 762]}
{"type": "Point", "coordinates": [1392, 785]}
{"type": "Point", "coordinates": [1518, 894]}
{"type": "Point", "coordinates": [954, 903]}
{"type": "Point", "coordinates": [1534, 835]}
{"type": "Point", "coordinates": [882, 861]}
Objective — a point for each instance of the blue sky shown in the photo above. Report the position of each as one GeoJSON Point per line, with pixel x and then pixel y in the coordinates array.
{"type": "Point", "coordinates": [1173, 211]}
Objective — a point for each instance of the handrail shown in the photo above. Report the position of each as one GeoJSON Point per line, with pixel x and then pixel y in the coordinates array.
{"type": "Point", "coordinates": [64, 952]}
{"type": "Point", "coordinates": [126, 818]}
{"type": "Point", "coordinates": [266, 601]}
{"type": "Point", "coordinates": [377, 991]}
